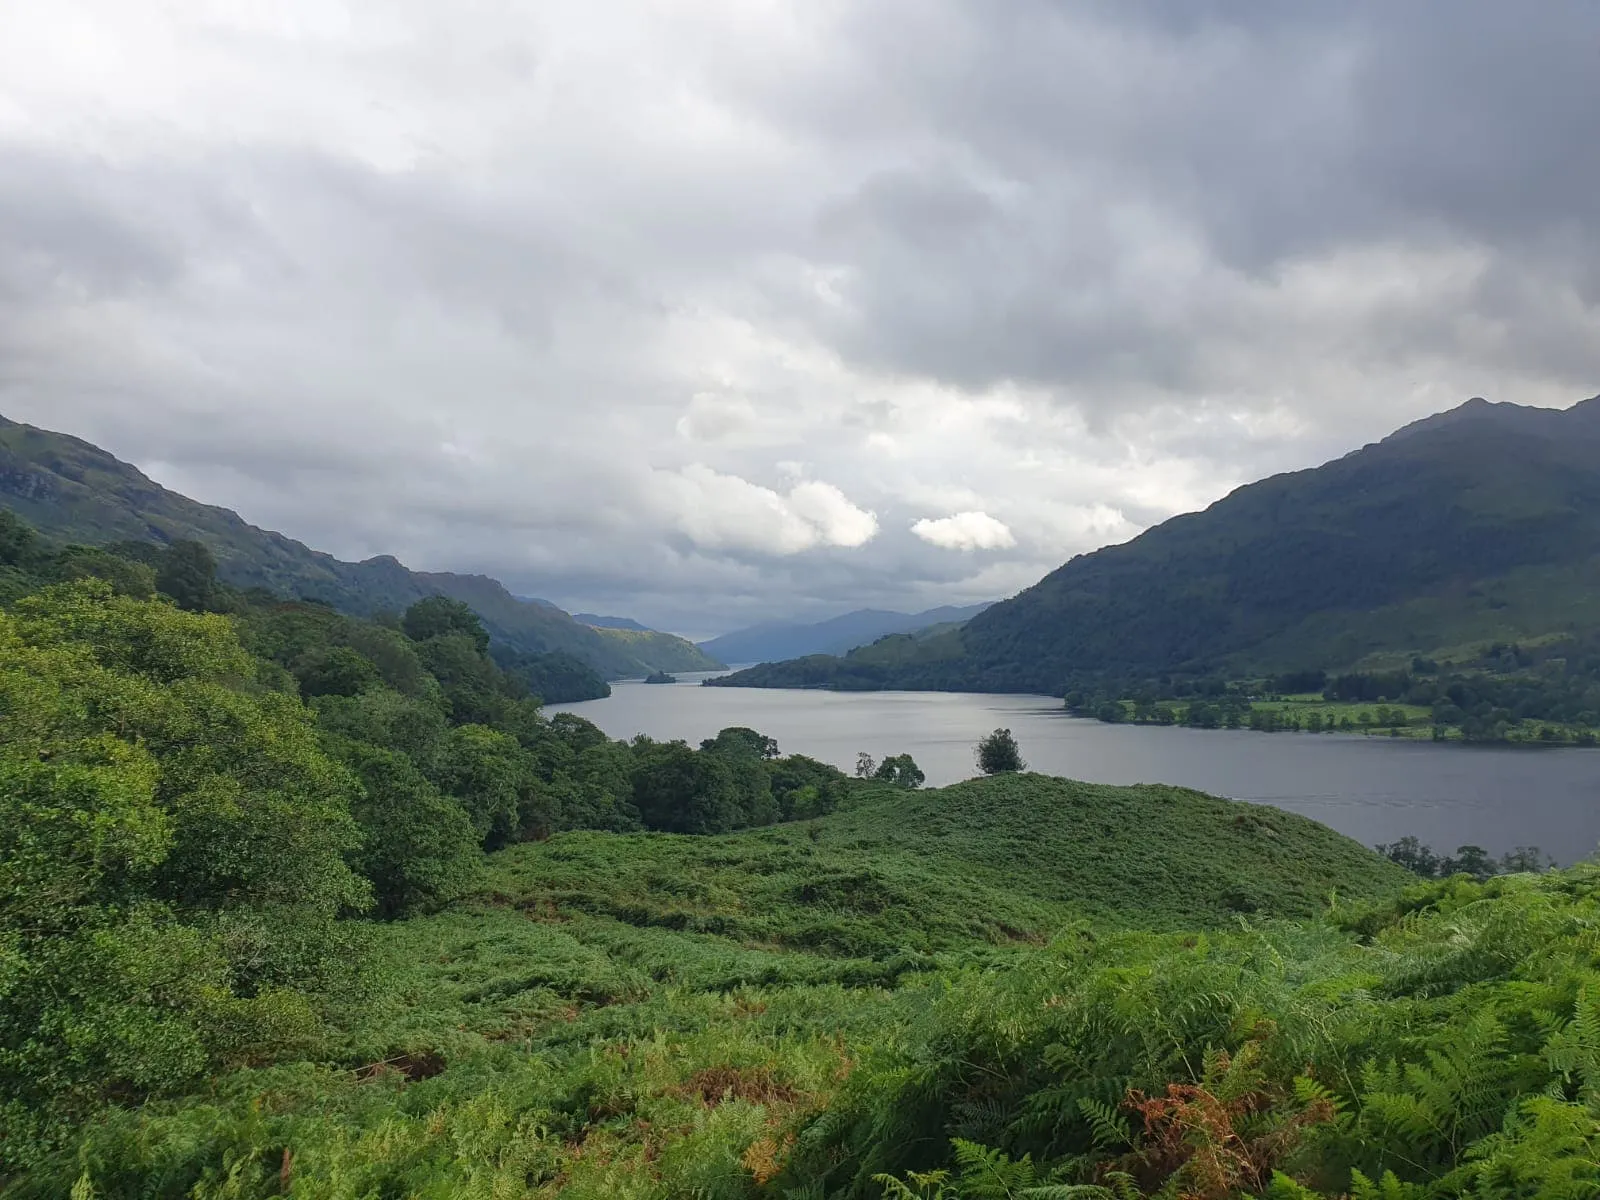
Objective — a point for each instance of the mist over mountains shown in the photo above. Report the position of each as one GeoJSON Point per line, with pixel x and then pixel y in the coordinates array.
{"type": "Point", "coordinates": [775, 640]}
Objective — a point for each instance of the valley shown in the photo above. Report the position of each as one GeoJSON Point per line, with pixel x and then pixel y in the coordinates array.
{"type": "Point", "coordinates": [306, 892]}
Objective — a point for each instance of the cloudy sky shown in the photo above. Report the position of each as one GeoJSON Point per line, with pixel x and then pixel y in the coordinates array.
{"type": "Point", "coordinates": [712, 310]}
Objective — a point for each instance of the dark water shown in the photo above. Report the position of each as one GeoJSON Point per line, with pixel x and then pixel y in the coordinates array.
{"type": "Point", "coordinates": [1373, 789]}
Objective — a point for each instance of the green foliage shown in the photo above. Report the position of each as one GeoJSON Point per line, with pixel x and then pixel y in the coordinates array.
{"type": "Point", "coordinates": [1411, 854]}
{"type": "Point", "coordinates": [494, 782]}
{"type": "Point", "coordinates": [88, 562]}
{"type": "Point", "coordinates": [188, 574]}
{"type": "Point", "coordinates": [679, 791]}
{"type": "Point", "coordinates": [740, 742]}
{"type": "Point", "coordinates": [440, 616]}
{"type": "Point", "coordinates": [1017, 986]}
{"type": "Point", "coordinates": [998, 753]}
{"type": "Point", "coordinates": [555, 678]}
{"type": "Point", "coordinates": [656, 1016]}
{"type": "Point", "coordinates": [420, 848]}
{"type": "Point", "coordinates": [660, 651]}
{"type": "Point", "coordinates": [1450, 1052]}
{"type": "Point", "coordinates": [19, 543]}
{"type": "Point", "coordinates": [173, 855]}
{"type": "Point", "coordinates": [900, 770]}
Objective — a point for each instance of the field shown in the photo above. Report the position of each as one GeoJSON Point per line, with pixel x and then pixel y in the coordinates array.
{"type": "Point", "coordinates": [1310, 713]}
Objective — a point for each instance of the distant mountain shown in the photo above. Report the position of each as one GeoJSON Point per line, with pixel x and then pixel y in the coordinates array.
{"type": "Point", "coordinates": [663, 651]}
{"type": "Point", "coordinates": [780, 640]}
{"type": "Point", "coordinates": [1473, 525]}
{"type": "Point", "coordinates": [598, 622]}
{"type": "Point", "coordinates": [73, 491]}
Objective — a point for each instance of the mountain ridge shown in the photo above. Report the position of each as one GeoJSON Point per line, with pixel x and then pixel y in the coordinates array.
{"type": "Point", "coordinates": [73, 490]}
{"type": "Point", "coordinates": [772, 640]}
{"type": "Point", "coordinates": [1478, 523]}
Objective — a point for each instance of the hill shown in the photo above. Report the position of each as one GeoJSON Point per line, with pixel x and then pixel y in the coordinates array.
{"type": "Point", "coordinates": [661, 651]}
{"type": "Point", "coordinates": [990, 861]}
{"type": "Point", "coordinates": [73, 491]}
{"type": "Point", "coordinates": [810, 986]}
{"type": "Point", "coordinates": [596, 621]}
{"type": "Point", "coordinates": [779, 640]}
{"type": "Point", "coordinates": [1477, 525]}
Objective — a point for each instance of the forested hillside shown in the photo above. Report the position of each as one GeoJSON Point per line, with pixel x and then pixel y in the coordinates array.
{"type": "Point", "coordinates": [295, 904]}
{"type": "Point", "coordinates": [663, 651]}
{"type": "Point", "coordinates": [77, 493]}
{"type": "Point", "coordinates": [1477, 526]}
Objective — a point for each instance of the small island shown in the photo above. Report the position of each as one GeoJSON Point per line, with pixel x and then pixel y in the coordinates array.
{"type": "Point", "coordinates": [660, 677]}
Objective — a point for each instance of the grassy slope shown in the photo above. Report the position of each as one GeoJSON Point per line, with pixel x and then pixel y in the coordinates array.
{"type": "Point", "coordinates": [649, 1015]}
{"type": "Point", "coordinates": [1525, 605]}
{"type": "Point", "coordinates": [898, 882]}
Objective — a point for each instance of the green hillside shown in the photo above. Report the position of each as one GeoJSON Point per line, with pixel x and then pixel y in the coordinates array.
{"type": "Point", "coordinates": [296, 904]}
{"type": "Point", "coordinates": [990, 861]}
{"type": "Point", "coordinates": [75, 492]}
{"type": "Point", "coordinates": [1482, 523]}
{"type": "Point", "coordinates": [660, 651]}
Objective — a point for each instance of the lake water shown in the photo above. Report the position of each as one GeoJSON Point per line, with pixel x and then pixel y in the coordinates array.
{"type": "Point", "coordinates": [1372, 789]}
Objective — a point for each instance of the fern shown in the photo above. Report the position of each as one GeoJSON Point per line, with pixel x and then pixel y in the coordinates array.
{"type": "Point", "coordinates": [1109, 1124]}
{"type": "Point", "coordinates": [1388, 1187]}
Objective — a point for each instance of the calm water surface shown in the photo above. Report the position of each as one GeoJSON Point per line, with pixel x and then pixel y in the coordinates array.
{"type": "Point", "coordinates": [1373, 789]}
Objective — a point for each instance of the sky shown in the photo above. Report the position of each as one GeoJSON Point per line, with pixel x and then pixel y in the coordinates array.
{"type": "Point", "coordinates": [715, 311]}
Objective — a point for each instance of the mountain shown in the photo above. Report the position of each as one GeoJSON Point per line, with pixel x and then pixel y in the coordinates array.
{"type": "Point", "coordinates": [73, 491]}
{"type": "Point", "coordinates": [595, 621]}
{"type": "Point", "coordinates": [780, 640]}
{"type": "Point", "coordinates": [1470, 526]}
{"type": "Point", "coordinates": [663, 651]}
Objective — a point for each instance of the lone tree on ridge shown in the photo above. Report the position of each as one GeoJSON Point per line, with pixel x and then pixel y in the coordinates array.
{"type": "Point", "coordinates": [998, 754]}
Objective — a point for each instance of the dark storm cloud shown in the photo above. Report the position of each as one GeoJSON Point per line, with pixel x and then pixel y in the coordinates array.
{"type": "Point", "coordinates": [734, 309]}
{"type": "Point", "coordinates": [1049, 146]}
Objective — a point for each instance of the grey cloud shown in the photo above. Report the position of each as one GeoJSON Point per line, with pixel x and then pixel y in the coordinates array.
{"type": "Point", "coordinates": [1254, 135]}
{"type": "Point", "coordinates": [468, 293]}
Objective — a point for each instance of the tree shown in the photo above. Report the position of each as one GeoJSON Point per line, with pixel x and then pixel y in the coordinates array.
{"type": "Point", "coordinates": [474, 688]}
{"type": "Point", "coordinates": [419, 848]}
{"type": "Point", "coordinates": [335, 671]}
{"type": "Point", "coordinates": [866, 766]}
{"type": "Point", "coordinates": [1469, 860]}
{"type": "Point", "coordinates": [172, 851]}
{"type": "Point", "coordinates": [748, 755]}
{"type": "Point", "coordinates": [806, 788]}
{"type": "Point", "coordinates": [188, 574]}
{"type": "Point", "coordinates": [680, 791]}
{"type": "Point", "coordinates": [1411, 854]}
{"type": "Point", "coordinates": [126, 577]}
{"type": "Point", "coordinates": [440, 616]}
{"type": "Point", "coordinates": [739, 740]}
{"type": "Point", "coordinates": [493, 780]}
{"type": "Point", "coordinates": [900, 770]}
{"type": "Point", "coordinates": [998, 754]}
{"type": "Point", "coordinates": [19, 544]}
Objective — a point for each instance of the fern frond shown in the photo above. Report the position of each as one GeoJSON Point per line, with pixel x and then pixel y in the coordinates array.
{"type": "Point", "coordinates": [1107, 1122]}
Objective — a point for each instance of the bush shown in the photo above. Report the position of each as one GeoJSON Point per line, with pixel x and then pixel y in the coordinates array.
{"type": "Point", "coordinates": [999, 753]}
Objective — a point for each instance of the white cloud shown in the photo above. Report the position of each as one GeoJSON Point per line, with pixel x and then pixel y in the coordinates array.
{"type": "Point", "coordinates": [724, 512]}
{"type": "Point", "coordinates": [965, 531]}
{"type": "Point", "coordinates": [837, 521]}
